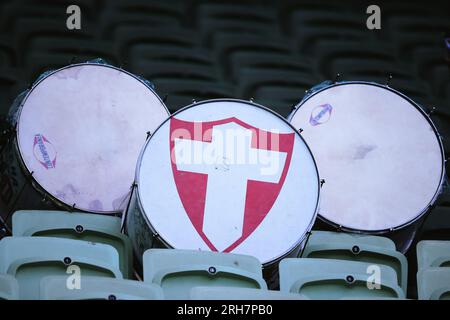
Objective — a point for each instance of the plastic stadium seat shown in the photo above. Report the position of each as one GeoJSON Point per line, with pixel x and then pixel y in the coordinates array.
{"type": "Point", "coordinates": [139, 13]}
{"type": "Point", "coordinates": [98, 288]}
{"type": "Point", "coordinates": [9, 288]}
{"type": "Point", "coordinates": [363, 248]}
{"type": "Point", "coordinates": [227, 293]}
{"type": "Point", "coordinates": [433, 284]}
{"type": "Point", "coordinates": [29, 259]}
{"type": "Point", "coordinates": [127, 37]}
{"type": "Point", "coordinates": [437, 223]}
{"type": "Point", "coordinates": [177, 271]}
{"type": "Point", "coordinates": [77, 226]}
{"type": "Point", "coordinates": [28, 29]}
{"type": "Point", "coordinates": [175, 69]}
{"type": "Point", "coordinates": [214, 17]}
{"type": "Point", "coordinates": [226, 44]}
{"type": "Point", "coordinates": [257, 83]}
{"type": "Point", "coordinates": [268, 60]}
{"type": "Point", "coordinates": [181, 92]}
{"type": "Point", "coordinates": [335, 279]}
{"type": "Point", "coordinates": [433, 254]}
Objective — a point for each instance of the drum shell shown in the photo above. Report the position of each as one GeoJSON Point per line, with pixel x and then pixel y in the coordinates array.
{"type": "Point", "coordinates": [18, 190]}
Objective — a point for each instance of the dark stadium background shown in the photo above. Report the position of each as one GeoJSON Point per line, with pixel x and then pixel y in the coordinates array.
{"type": "Point", "coordinates": [271, 51]}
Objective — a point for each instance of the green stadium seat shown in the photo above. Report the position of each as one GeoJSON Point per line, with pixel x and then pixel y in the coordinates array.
{"type": "Point", "coordinates": [77, 226]}
{"type": "Point", "coordinates": [228, 293]}
{"type": "Point", "coordinates": [433, 253]}
{"type": "Point", "coordinates": [98, 288]}
{"type": "Point", "coordinates": [335, 279]}
{"type": "Point", "coordinates": [29, 259]}
{"type": "Point", "coordinates": [433, 284]}
{"type": "Point", "coordinates": [353, 247]}
{"type": "Point", "coordinates": [9, 288]}
{"type": "Point", "coordinates": [177, 271]}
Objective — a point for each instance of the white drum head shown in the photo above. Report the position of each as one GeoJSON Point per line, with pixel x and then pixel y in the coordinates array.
{"type": "Point", "coordinates": [379, 155]}
{"type": "Point", "coordinates": [242, 180]}
{"type": "Point", "coordinates": [80, 131]}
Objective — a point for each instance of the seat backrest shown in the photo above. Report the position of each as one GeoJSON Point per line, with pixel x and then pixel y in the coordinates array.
{"type": "Point", "coordinates": [433, 253]}
{"type": "Point", "coordinates": [324, 237]}
{"type": "Point", "coordinates": [363, 248]}
{"type": "Point", "coordinates": [98, 288]}
{"type": "Point", "coordinates": [433, 284]}
{"type": "Point", "coordinates": [28, 222]}
{"type": "Point", "coordinates": [78, 226]}
{"type": "Point", "coordinates": [178, 271]}
{"type": "Point", "coordinates": [9, 288]}
{"type": "Point", "coordinates": [229, 293]}
{"type": "Point", "coordinates": [29, 259]}
{"type": "Point", "coordinates": [337, 279]}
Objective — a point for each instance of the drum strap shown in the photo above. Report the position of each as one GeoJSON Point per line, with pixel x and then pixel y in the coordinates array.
{"type": "Point", "coordinates": [308, 234]}
{"type": "Point", "coordinates": [125, 212]}
{"type": "Point", "coordinates": [4, 229]}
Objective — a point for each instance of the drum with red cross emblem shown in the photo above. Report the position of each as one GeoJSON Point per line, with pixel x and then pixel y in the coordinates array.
{"type": "Point", "coordinates": [227, 176]}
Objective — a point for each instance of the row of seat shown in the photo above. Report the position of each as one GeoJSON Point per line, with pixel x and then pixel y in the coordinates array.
{"type": "Point", "coordinates": [49, 249]}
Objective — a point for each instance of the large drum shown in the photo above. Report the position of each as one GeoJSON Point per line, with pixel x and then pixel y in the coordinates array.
{"type": "Point", "coordinates": [226, 176]}
{"type": "Point", "coordinates": [78, 134]}
{"type": "Point", "coordinates": [379, 153]}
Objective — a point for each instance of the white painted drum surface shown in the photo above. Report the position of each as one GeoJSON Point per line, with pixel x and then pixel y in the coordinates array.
{"type": "Point", "coordinates": [228, 188]}
{"type": "Point", "coordinates": [80, 131]}
{"type": "Point", "coordinates": [380, 156]}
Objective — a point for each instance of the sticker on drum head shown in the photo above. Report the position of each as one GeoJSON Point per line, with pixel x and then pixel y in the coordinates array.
{"type": "Point", "coordinates": [44, 151]}
{"type": "Point", "coordinates": [228, 175]}
{"type": "Point", "coordinates": [320, 114]}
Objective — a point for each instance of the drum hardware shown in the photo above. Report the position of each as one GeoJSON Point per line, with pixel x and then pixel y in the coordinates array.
{"type": "Point", "coordinates": [194, 101]}
{"type": "Point", "coordinates": [322, 182]}
{"type": "Point", "coordinates": [432, 111]}
{"type": "Point", "coordinates": [388, 81]}
{"type": "Point", "coordinates": [149, 134]}
{"type": "Point", "coordinates": [337, 77]}
{"type": "Point", "coordinates": [251, 99]}
{"type": "Point", "coordinates": [112, 297]}
{"type": "Point", "coordinates": [308, 235]}
{"type": "Point", "coordinates": [4, 229]}
{"type": "Point", "coordinates": [300, 130]}
{"type": "Point", "coordinates": [127, 208]}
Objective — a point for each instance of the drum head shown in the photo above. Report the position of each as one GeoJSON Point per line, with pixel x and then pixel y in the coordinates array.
{"type": "Point", "coordinates": [228, 176]}
{"type": "Point", "coordinates": [80, 131]}
{"type": "Point", "coordinates": [379, 154]}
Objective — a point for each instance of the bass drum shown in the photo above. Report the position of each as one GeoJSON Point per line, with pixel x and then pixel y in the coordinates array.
{"type": "Point", "coordinates": [76, 137]}
{"type": "Point", "coordinates": [227, 176]}
{"type": "Point", "coordinates": [379, 153]}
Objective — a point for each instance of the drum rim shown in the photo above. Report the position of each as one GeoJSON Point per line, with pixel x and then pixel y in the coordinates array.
{"type": "Point", "coordinates": [304, 235]}
{"type": "Point", "coordinates": [29, 174]}
{"type": "Point", "coordinates": [439, 188]}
